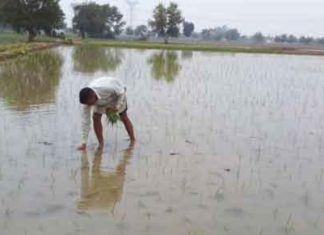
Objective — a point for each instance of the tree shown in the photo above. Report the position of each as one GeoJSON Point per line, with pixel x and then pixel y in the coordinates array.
{"type": "Point", "coordinates": [292, 39]}
{"type": "Point", "coordinates": [32, 15]}
{"type": "Point", "coordinates": [306, 40]}
{"type": "Point", "coordinates": [320, 41]}
{"type": "Point", "coordinates": [166, 21]}
{"type": "Point", "coordinates": [205, 33]}
{"type": "Point", "coordinates": [232, 35]}
{"type": "Point", "coordinates": [281, 38]}
{"type": "Point", "coordinates": [160, 20]}
{"type": "Point", "coordinates": [284, 38]}
{"type": "Point", "coordinates": [220, 33]}
{"type": "Point", "coordinates": [129, 31]}
{"type": "Point", "coordinates": [141, 32]}
{"type": "Point", "coordinates": [97, 20]}
{"type": "Point", "coordinates": [258, 37]}
{"type": "Point", "coordinates": [174, 20]}
{"type": "Point", "coordinates": [188, 28]}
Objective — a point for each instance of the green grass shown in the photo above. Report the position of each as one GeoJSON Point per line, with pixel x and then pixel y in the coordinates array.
{"type": "Point", "coordinates": [13, 38]}
{"type": "Point", "coordinates": [9, 38]}
{"type": "Point", "coordinates": [13, 50]}
{"type": "Point", "coordinates": [187, 46]}
{"type": "Point", "coordinates": [13, 44]}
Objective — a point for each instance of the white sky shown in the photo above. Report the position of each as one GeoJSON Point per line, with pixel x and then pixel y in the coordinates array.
{"type": "Point", "coordinates": [299, 17]}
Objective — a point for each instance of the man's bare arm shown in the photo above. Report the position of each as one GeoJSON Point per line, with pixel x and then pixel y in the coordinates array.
{"type": "Point", "coordinates": [97, 125]}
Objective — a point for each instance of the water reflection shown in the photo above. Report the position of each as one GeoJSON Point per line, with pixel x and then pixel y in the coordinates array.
{"type": "Point", "coordinates": [99, 189]}
{"type": "Point", "coordinates": [30, 80]}
{"type": "Point", "coordinates": [165, 65]}
{"type": "Point", "coordinates": [89, 59]}
{"type": "Point", "coordinates": [186, 55]}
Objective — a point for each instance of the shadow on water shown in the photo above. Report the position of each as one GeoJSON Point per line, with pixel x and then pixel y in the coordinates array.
{"type": "Point", "coordinates": [99, 189]}
{"type": "Point", "coordinates": [30, 80]}
{"type": "Point", "coordinates": [93, 59]}
{"type": "Point", "coordinates": [165, 65]}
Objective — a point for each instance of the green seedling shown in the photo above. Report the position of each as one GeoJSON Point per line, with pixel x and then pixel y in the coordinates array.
{"type": "Point", "coordinates": [113, 118]}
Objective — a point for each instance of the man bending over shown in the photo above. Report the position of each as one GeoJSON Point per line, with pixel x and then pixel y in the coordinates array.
{"type": "Point", "coordinates": [103, 95]}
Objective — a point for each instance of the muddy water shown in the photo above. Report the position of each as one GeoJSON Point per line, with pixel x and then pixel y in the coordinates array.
{"type": "Point", "coordinates": [227, 144]}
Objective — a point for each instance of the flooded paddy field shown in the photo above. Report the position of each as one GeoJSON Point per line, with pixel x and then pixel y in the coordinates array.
{"type": "Point", "coordinates": [227, 144]}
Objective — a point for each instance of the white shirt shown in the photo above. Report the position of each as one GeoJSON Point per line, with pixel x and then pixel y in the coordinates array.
{"type": "Point", "coordinates": [111, 93]}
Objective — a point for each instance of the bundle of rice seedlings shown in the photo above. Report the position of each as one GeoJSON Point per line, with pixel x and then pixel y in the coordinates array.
{"type": "Point", "coordinates": [112, 118]}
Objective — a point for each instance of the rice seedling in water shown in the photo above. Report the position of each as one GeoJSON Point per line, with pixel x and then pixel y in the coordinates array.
{"type": "Point", "coordinates": [289, 226]}
{"type": "Point", "coordinates": [30, 80]}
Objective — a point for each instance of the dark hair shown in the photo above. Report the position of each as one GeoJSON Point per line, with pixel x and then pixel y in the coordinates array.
{"type": "Point", "coordinates": [85, 94]}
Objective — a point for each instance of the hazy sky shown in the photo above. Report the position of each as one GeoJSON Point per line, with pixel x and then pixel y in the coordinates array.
{"type": "Point", "coordinates": [299, 17]}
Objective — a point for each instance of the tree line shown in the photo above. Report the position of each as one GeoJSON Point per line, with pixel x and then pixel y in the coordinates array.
{"type": "Point", "coordinates": [106, 21]}
{"type": "Point", "coordinates": [225, 33]}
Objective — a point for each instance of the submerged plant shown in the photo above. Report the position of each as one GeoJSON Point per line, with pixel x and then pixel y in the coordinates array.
{"type": "Point", "coordinates": [30, 80]}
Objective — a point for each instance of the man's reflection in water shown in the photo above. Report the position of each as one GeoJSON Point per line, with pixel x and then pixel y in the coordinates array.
{"type": "Point", "coordinates": [99, 189]}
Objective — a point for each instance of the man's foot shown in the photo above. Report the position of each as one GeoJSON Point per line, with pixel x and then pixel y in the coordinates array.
{"type": "Point", "coordinates": [99, 152]}
{"type": "Point", "coordinates": [82, 147]}
{"type": "Point", "coordinates": [100, 147]}
{"type": "Point", "coordinates": [132, 142]}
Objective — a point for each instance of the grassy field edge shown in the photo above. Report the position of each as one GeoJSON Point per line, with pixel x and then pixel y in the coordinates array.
{"type": "Point", "coordinates": [261, 49]}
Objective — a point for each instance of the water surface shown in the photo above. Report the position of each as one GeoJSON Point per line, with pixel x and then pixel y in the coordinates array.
{"type": "Point", "coordinates": [227, 144]}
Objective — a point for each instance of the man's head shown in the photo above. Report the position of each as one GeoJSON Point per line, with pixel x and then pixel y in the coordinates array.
{"type": "Point", "coordinates": [88, 96]}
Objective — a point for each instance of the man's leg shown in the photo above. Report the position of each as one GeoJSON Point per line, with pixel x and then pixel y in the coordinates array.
{"type": "Point", "coordinates": [128, 126]}
{"type": "Point", "coordinates": [97, 125]}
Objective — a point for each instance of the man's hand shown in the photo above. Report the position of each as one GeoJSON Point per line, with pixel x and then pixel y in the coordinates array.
{"type": "Point", "coordinates": [82, 147]}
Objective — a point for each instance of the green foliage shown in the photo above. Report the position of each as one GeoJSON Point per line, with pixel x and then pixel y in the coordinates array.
{"type": "Point", "coordinates": [174, 20]}
{"type": "Point", "coordinates": [102, 21]}
{"type": "Point", "coordinates": [31, 79]}
{"type": "Point", "coordinates": [112, 118]}
{"type": "Point", "coordinates": [32, 15]}
{"type": "Point", "coordinates": [165, 65]}
{"type": "Point", "coordinates": [188, 28]}
{"type": "Point", "coordinates": [89, 59]}
{"type": "Point", "coordinates": [166, 21]}
{"type": "Point", "coordinates": [10, 38]}
{"type": "Point", "coordinates": [160, 20]}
